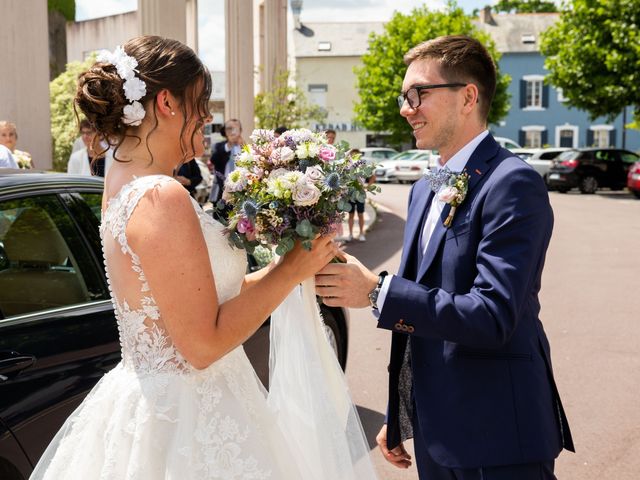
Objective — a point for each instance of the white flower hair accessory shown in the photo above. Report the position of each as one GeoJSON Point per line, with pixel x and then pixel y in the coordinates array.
{"type": "Point", "coordinates": [134, 87]}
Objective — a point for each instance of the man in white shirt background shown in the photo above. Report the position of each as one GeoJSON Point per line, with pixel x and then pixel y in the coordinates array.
{"type": "Point", "coordinates": [222, 157]}
{"type": "Point", "coordinates": [87, 161]}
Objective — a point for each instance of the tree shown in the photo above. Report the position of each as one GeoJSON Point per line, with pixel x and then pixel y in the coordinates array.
{"type": "Point", "coordinates": [379, 80]}
{"type": "Point", "coordinates": [286, 105]}
{"type": "Point", "coordinates": [64, 125]}
{"type": "Point", "coordinates": [593, 55]}
{"type": "Point", "coordinates": [525, 6]}
{"type": "Point", "coordinates": [59, 13]}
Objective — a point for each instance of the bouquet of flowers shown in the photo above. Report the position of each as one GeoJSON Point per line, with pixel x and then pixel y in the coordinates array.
{"type": "Point", "coordinates": [291, 188]}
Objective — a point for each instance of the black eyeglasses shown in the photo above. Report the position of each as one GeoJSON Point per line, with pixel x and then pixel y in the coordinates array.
{"type": "Point", "coordinates": [412, 96]}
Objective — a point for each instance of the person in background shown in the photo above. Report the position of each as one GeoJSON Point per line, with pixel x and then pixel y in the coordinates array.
{"type": "Point", "coordinates": [189, 176]}
{"type": "Point", "coordinates": [279, 131]}
{"type": "Point", "coordinates": [331, 136]}
{"type": "Point", "coordinates": [87, 161]}
{"type": "Point", "coordinates": [6, 158]}
{"type": "Point", "coordinates": [9, 138]}
{"type": "Point", "coordinates": [221, 161]}
{"type": "Point", "coordinates": [357, 207]}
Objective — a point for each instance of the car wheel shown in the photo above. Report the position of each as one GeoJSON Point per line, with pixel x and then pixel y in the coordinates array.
{"type": "Point", "coordinates": [588, 185]}
{"type": "Point", "coordinates": [636, 193]}
{"type": "Point", "coordinates": [335, 336]}
{"type": "Point", "coordinates": [562, 189]}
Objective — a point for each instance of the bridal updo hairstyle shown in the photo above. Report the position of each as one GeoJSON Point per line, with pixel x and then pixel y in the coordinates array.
{"type": "Point", "coordinates": [162, 64]}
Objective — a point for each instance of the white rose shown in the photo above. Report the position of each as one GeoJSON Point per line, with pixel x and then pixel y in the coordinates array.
{"type": "Point", "coordinates": [278, 172]}
{"type": "Point", "coordinates": [306, 194]}
{"type": "Point", "coordinates": [314, 173]}
{"type": "Point", "coordinates": [134, 89]}
{"type": "Point", "coordinates": [447, 194]}
{"type": "Point", "coordinates": [133, 114]}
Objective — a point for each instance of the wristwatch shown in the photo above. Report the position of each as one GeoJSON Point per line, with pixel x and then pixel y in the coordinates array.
{"type": "Point", "coordinates": [373, 294]}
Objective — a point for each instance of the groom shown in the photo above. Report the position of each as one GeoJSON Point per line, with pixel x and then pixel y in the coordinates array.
{"type": "Point", "coordinates": [470, 375]}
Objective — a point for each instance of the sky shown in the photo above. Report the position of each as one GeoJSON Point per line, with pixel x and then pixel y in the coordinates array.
{"type": "Point", "coordinates": [211, 20]}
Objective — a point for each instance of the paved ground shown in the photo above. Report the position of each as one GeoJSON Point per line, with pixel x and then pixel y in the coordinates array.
{"type": "Point", "coordinates": [591, 312]}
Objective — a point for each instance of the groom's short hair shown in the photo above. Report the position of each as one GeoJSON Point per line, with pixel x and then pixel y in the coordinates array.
{"type": "Point", "coordinates": [462, 59]}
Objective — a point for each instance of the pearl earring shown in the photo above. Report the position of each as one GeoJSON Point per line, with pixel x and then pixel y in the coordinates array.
{"type": "Point", "coordinates": [173, 113]}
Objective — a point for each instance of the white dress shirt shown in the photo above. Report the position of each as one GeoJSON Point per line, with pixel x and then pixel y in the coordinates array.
{"type": "Point", "coordinates": [79, 162]}
{"type": "Point", "coordinates": [456, 164]}
{"type": "Point", "coordinates": [6, 158]}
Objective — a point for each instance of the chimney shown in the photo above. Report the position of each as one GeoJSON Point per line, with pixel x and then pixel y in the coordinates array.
{"type": "Point", "coordinates": [486, 17]}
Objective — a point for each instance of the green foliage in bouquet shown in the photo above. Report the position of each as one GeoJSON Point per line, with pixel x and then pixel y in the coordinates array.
{"type": "Point", "coordinates": [291, 188]}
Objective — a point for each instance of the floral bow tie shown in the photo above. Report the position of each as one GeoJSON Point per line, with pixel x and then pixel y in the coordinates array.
{"type": "Point", "coordinates": [437, 177]}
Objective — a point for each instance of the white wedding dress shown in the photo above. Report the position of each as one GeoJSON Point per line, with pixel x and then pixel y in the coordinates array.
{"type": "Point", "coordinates": [154, 416]}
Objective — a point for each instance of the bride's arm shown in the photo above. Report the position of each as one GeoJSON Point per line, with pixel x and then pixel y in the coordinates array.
{"type": "Point", "coordinates": [165, 233]}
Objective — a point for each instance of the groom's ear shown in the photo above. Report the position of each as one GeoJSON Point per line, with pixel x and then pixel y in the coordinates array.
{"type": "Point", "coordinates": [471, 97]}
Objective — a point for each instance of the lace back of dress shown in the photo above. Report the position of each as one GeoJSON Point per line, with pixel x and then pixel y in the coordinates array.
{"type": "Point", "coordinates": [146, 346]}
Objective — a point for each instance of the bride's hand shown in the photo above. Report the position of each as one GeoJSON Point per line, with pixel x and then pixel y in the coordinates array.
{"type": "Point", "coordinates": [306, 263]}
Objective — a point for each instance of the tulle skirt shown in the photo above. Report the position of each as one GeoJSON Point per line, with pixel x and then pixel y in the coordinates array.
{"type": "Point", "coordinates": [218, 423]}
{"type": "Point", "coordinates": [210, 424]}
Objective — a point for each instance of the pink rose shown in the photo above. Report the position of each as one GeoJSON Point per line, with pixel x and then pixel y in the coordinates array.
{"type": "Point", "coordinates": [447, 194]}
{"type": "Point", "coordinates": [245, 226]}
{"type": "Point", "coordinates": [327, 153]}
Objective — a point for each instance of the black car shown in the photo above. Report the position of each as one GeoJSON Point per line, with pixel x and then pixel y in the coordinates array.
{"type": "Point", "coordinates": [589, 169]}
{"type": "Point", "coordinates": [58, 334]}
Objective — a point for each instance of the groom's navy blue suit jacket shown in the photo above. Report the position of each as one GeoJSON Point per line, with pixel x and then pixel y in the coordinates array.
{"type": "Point", "coordinates": [483, 387]}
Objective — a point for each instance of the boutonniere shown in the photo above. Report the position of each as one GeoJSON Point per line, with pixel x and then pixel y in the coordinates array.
{"type": "Point", "coordinates": [454, 193]}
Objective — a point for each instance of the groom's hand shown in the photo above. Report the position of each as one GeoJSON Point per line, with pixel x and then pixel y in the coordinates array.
{"type": "Point", "coordinates": [345, 284]}
{"type": "Point", "coordinates": [398, 457]}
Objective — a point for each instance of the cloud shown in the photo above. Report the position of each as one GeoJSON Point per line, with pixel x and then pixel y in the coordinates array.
{"type": "Point", "coordinates": [211, 38]}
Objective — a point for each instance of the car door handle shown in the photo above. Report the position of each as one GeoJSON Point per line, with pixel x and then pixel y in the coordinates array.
{"type": "Point", "coordinates": [15, 365]}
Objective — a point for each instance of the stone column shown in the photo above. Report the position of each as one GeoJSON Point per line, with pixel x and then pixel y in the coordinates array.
{"type": "Point", "coordinates": [274, 51]}
{"type": "Point", "coordinates": [192, 24]}
{"type": "Point", "coordinates": [239, 97]}
{"type": "Point", "coordinates": [166, 18]}
{"type": "Point", "coordinates": [24, 76]}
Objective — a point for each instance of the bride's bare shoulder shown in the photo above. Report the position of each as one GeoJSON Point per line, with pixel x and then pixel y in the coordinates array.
{"type": "Point", "coordinates": [163, 211]}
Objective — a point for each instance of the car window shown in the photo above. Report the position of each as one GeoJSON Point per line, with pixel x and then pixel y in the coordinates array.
{"type": "Point", "coordinates": [628, 157]}
{"type": "Point", "coordinates": [549, 155]}
{"type": "Point", "coordinates": [605, 156]}
{"type": "Point", "coordinates": [44, 261]}
{"type": "Point", "coordinates": [568, 155]}
{"type": "Point", "coordinates": [403, 156]}
{"type": "Point", "coordinates": [94, 202]}
{"type": "Point", "coordinates": [509, 145]}
{"type": "Point", "coordinates": [378, 154]}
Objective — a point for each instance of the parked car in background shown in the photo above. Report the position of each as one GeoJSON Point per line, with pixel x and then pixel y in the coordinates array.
{"type": "Point", "coordinates": [633, 179]}
{"type": "Point", "coordinates": [412, 169]}
{"type": "Point", "coordinates": [377, 154]}
{"type": "Point", "coordinates": [539, 158]}
{"type": "Point", "coordinates": [589, 169]}
{"type": "Point", "coordinates": [58, 333]}
{"type": "Point", "coordinates": [507, 143]}
{"type": "Point", "coordinates": [405, 166]}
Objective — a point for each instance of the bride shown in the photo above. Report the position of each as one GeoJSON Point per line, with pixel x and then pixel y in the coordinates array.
{"type": "Point", "coordinates": [184, 402]}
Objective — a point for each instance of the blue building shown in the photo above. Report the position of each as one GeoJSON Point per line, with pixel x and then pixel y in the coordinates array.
{"type": "Point", "coordinates": [539, 115]}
